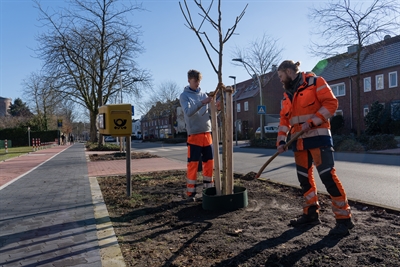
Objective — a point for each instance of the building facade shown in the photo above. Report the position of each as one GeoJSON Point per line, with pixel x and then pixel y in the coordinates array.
{"type": "Point", "coordinates": [379, 80]}
{"type": "Point", "coordinates": [246, 100]}
{"type": "Point", "coordinates": [159, 121]}
{"type": "Point", "coordinates": [4, 106]}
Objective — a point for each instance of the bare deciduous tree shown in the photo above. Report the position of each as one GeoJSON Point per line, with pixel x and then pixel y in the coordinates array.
{"type": "Point", "coordinates": [208, 46]}
{"type": "Point", "coordinates": [43, 99]}
{"type": "Point", "coordinates": [161, 100]}
{"type": "Point", "coordinates": [261, 54]}
{"type": "Point", "coordinates": [86, 49]}
{"type": "Point", "coordinates": [342, 24]}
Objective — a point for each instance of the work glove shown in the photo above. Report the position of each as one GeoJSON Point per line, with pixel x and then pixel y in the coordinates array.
{"type": "Point", "coordinates": [281, 148]}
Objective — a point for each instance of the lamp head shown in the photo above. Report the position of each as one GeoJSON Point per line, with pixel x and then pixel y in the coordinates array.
{"type": "Point", "coordinates": [237, 59]}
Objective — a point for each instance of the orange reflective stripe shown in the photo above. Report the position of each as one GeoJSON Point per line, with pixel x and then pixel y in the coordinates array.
{"type": "Point", "coordinates": [316, 132]}
{"type": "Point", "coordinates": [283, 128]}
{"type": "Point", "coordinates": [300, 119]}
{"type": "Point", "coordinates": [322, 87]}
{"type": "Point", "coordinates": [340, 208]}
{"type": "Point", "coordinates": [326, 114]}
{"type": "Point", "coordinates": [189, 181]}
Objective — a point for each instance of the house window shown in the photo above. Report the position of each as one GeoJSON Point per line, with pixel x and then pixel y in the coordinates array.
{"type": "Point", "coordinates": [392, 79]}
{"type": "Point", "coordinates": [395, 110]}
{"type": "Point", "coordinates": [338, 89]}
{"type": "Point", "coordinates": [238, 107]}
{"type": "Point", "coordinates": [366, 110]}
{"type": "Point", "coordinates": [246, 106]}
{"type": "Point", "coordinates": [379, 81]}
{"type": "Point", "coordinates": [367, 84]}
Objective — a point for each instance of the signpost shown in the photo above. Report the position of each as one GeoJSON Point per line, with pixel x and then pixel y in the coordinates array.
{"type": "Point", "coordinates": [261, 110]}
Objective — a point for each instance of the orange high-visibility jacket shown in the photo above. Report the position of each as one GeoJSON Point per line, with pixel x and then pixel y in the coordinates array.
{"type": "Point", "coordinates": [313, 102]}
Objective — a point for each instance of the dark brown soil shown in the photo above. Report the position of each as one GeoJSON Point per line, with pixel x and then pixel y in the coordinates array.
{"type": "Point", "coordinates": [119, 156]}
{"type": "Point", "coordinates": [157, 227]}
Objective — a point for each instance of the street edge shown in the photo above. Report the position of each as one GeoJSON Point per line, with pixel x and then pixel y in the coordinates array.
{"type": "Point", "coordinates": [110, 251]}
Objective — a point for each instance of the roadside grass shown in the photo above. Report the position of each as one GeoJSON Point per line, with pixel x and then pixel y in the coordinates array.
{"type": "Point", "coordinates": [14, 152]}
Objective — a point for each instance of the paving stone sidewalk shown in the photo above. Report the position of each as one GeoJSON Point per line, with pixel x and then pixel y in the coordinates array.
{"type": "Point", "coordinates": [47, 217]}
{"type": "Point", "coordinates": [52, 212]}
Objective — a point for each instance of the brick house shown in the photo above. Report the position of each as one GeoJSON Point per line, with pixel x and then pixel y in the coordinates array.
{"type": "Point", "coordinates": [380, 69]}
{"type": "Point", "coordinates": [159, 121]}
{"type": "Point", "coordinates": [246, 99]}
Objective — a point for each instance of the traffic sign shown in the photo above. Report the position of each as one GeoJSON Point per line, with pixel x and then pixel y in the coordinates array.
{"type": "Point", "coordinates": [261, 110]}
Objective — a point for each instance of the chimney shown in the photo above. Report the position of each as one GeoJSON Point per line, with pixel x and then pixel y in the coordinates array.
{"type": "Point", "coordinates": [352, 49]}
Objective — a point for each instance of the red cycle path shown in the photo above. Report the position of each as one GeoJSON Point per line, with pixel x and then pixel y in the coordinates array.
{"type": "Point", "coordinates": [16, 167]}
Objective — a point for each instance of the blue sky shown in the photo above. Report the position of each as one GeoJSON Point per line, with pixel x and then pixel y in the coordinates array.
{"type": "Point", "coordinates": [171, 49]}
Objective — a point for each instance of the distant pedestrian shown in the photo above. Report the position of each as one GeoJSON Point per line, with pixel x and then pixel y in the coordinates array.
{"type": "Point", "coordinates": [71, 139]}
{"type": "Point", "coordinates": [62, 139]}
{"type": "Point", "coordinates": [307, 105]}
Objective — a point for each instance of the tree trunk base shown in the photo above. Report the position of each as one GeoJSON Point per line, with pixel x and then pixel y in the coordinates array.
{"type": "Point", "coordinates": [234, 201]}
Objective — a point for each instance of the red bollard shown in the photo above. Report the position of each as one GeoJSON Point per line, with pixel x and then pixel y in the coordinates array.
{"type": "Point", "coordinates": [33, 144]}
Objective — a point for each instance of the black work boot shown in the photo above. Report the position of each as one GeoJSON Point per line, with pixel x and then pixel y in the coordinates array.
{"type": "Point", "coordinates": [305, 219]}
{"type": "Point", "coordinates": [342, 227]}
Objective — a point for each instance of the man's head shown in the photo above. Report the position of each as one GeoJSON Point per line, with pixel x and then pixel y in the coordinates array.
{"type": "Point", "coordinates": [194, 78]}
{"type": "Point", "coordinates": [287, 72]}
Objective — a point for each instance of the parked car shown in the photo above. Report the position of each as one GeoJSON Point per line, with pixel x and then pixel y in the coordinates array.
{"type": "Point", "coordinates": [267, 129]}
{"type": "Point", "coordinates": [110, 139]}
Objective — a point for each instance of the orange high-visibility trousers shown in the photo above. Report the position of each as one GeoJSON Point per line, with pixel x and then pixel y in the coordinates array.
{"type": "Point", "coordinates": [323, 160]}
{"type": "Point", "coordinates": [199, 148]}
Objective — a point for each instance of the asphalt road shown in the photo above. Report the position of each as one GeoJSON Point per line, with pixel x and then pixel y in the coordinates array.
{"type": "Point", "coordinates": [370, 178]}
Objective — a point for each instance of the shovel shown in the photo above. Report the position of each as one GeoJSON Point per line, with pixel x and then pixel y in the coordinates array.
{"type": "Point", "coordinates": [294, 137]}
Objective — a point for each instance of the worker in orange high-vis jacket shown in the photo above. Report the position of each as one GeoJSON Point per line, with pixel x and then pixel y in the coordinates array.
{"type": "Point", "coordinates": [307, 105]}
{"type": "Point", "coordinates": [194, 104]}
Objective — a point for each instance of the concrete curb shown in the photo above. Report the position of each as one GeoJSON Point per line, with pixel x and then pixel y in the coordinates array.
{"type": "Point", "coordinates": [111, 255]}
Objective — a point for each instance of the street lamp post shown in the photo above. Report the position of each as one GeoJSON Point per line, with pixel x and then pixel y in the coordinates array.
{"type": "Point", "coordinates": [120, 82]}
{"type": "Point", "coordinates": [120, 88]}
{"type": "Point", "coordinates": [236, 120]}
{"type": "Point", "coordinates": [259, 85]}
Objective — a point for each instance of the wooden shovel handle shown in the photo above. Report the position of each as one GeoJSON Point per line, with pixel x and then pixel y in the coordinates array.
{"type": "Point", "coordinates": [294, 137]}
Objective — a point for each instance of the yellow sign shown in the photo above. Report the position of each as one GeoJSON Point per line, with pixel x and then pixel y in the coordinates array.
{"type": "Point", "coordinates": [115, 120]}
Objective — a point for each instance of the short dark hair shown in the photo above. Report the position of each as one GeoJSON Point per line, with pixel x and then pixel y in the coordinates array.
{"type": "Point", "coordinates": [289, 64]}
{"type": "Point", "coordinates": [194, 74]}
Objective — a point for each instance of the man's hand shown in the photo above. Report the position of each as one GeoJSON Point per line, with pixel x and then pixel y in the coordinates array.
{"type": "Point", "coordinates": [207, 100]}
{"type": "Point", "coordinates": [305, 127]}
{"type": "Point", "coordinates": [281, 149]}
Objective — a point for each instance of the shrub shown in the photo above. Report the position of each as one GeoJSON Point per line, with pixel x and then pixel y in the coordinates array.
{"type": "Point", "coordinates": [337, 123]}
{"type": "Point", "coordinates": [378, 120]}
{"type": "Point", "coordinates": [97, 147]}
{"type": "Point", "coordinates": [395, 127]}
{"type": "Point", "coordinates": [264, 143]}
{"type": "Point", "coordinates": [380, 142]}
{"type": "Point", "coordinates": [350, 145]}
